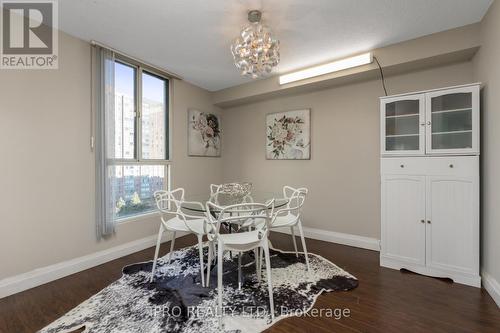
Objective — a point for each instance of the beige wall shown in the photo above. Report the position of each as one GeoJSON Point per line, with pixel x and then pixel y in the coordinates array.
{"type": "Point", "coordinates": [343, 173]}
{"type": "Point", "coordinates": [47, 169]}
{"type": "Point", "coordinates": [487, 70]}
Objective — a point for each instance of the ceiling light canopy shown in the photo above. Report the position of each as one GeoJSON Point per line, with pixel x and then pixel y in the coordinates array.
{"type": "Point", "coordinates": [362, 59]}
{"type": "Point", "coordinates": [255, 51]}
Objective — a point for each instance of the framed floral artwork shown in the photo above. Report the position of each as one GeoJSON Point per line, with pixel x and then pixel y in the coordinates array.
{"type": "Point", "coordinates": [288, 135]}
{"type": "Point", "coordinates": [203, 134]}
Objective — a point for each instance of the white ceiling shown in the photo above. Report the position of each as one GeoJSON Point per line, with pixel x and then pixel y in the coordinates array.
{"type": "Point", "coordinates": [192, 37]}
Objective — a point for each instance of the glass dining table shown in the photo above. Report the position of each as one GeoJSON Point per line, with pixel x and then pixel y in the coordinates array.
{"type": "Point", "coordinates": [254, 196]}
{"type": "Point", "coordinates": [192, 204]}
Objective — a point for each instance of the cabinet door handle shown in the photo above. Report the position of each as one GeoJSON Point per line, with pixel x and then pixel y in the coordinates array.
{"type": "Point", "coordinates": [422, 124]}
{"type": "Point", "coordinates": [428, 221]}
{"type": "Point", "coordinates": [451, 166]}
{"type": "Point", "coordinates": [422, 221]}
{"type": "Point", "coordinates": [402, 165]}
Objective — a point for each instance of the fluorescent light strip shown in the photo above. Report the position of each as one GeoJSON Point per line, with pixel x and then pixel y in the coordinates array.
{"type": "Point", "coordinates": [362, 59]}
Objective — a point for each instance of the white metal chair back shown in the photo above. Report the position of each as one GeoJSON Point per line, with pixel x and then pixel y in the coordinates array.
{"type": "Point", "coordinates": [214, 188]}
{"type": "Point", "coordinates": [170, 203]}
{"type": "Point", "coordinates": [167, 202]}
{"type": "Point", "coordinates": [214, 192]}
{"type": "Point", "coordinates": [289, 191]}
{"type": "Point", "coordinates": [238, 214]}
{"type": "Point", "coordinates": [296, 198]}
{"type": "Point", "coordinates": [217, 189]}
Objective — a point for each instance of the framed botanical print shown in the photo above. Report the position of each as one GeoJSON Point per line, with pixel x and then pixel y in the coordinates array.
{"type": "Point", "coordinates": [204, 131]}
{"type": "Point", "coordinates": [288, 135]}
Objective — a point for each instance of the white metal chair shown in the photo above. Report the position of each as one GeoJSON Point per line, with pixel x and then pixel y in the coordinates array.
{"type": "Point", "coordinates": [170, 203]}
{"type": "Point", "coordinates": [290, 216]}
{"type": "Point", "coordinates": [240, 242]}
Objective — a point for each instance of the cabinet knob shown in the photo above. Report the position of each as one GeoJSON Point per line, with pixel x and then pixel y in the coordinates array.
{"type": "Point", "coordinates": [428, 221]}
{"type": "Point", "coordinates": [451, 166]}
{"type": "Point", "coordinates": [402, 165]}
{"type": "Point", "coordinates": [422, 221]}
{"type": "Point", "coordinates": [422, 124]}
{"type": "Point", "coordinates": [428, 123]}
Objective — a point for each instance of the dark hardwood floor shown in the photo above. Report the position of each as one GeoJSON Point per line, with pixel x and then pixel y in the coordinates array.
{"type": "Point", "coordinates": [385, 301]}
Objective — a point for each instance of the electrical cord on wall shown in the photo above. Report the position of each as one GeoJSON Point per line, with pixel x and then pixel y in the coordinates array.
{"type": "Point", "coordinates": [381, 74]}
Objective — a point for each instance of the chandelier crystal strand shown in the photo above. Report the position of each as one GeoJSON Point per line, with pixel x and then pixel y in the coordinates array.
{"type": "Point", "coordinates": [255, 51]}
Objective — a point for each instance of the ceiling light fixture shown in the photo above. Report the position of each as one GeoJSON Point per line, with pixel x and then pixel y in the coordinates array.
{"type": "Point", "coordinates": [362, 59]}
{"type": "Point", "coordinates": [255, 51]}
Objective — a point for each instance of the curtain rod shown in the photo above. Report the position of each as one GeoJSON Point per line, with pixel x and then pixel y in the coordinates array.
{"type": "Point", "coordinates": [170, 74]}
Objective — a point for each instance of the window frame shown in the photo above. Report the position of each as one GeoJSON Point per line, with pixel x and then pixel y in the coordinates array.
{"type": "Point", "coordinates": [122, 159]}
{"type": "Point", "coordinates": [139, 69]}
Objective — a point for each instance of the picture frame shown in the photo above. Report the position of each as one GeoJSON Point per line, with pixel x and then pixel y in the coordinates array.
{"type": "Point", "coordinates": [288, 135]}
{"type": "Point", "coordinates": [204, 133]}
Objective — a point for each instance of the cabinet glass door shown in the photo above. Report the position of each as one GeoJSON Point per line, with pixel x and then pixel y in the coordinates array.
{"type": "Point", "coordinates": [450, 121]}
{"type": "Point", "coordinates": [401, 125]}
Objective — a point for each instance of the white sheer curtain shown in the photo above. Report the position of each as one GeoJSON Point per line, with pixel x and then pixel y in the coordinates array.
{"type": "Point", "coordinates": [104, 99]}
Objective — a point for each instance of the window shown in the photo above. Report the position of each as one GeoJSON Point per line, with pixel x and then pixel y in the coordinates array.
{"type": "Point", "coordinates": [138, 149]}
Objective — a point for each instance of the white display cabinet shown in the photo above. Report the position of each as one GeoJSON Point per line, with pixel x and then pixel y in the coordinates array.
{"type": "Point", "coordinates": [430, 183]}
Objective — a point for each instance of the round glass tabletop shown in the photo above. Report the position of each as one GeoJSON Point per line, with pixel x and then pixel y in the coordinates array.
{"type": "Point", "coordinates": [255, 196]}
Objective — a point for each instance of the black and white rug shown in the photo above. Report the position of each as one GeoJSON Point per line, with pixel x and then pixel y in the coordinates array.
{"type": "Point", "coordinates": [176, 302]}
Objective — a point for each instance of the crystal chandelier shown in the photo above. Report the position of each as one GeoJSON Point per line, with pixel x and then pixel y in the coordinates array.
{"type": "Point", "coordinates": [255, 51]}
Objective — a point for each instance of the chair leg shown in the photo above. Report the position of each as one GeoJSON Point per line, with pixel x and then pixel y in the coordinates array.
{"type": "Point", "coordinates": [269, 280]}
{"type": "Point", "coordinates": [294, 242]}
{"type": "Point", "coordinates": [257, 263]}
{"type": "Point", "coordinates": [215, 250]}
{"type": "Point", "coordinates": [239, 270]}
{"type": "Point", "coordinates": [172, 242]}
{"type": "Point", "coordinates": [303, 244]}
{"type": "Point", "coordinates": [157, 250]}
{"type": "Point", "coordinates": [261, 257]}
{"type": "Point", "coordinates": [200, 250]}
{"type": "Point", "coordinates": [209, 263]}
{"type": "Point", "coordinates": [220, 251]}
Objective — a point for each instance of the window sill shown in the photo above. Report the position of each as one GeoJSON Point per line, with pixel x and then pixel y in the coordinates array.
{"type": "Point", "coordinates": [135, 218]}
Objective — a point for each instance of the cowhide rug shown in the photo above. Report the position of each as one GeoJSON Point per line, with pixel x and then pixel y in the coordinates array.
{"type": "Point", "coordinates": [176, 301]}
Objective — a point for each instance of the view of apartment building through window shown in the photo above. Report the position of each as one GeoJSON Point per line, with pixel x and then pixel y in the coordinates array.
{"type": "Point", "coordinates": [139, 138]}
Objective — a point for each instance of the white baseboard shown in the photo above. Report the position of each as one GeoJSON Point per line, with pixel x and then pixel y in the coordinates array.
{"type": "Point", "coordinates": [492, 286]}
{"type": "Point", "coordinates": [39, 276]}
{"type": "Point", "coordinates": [34, 278]}
{"type": "Point", "coordinates": [337, 237]}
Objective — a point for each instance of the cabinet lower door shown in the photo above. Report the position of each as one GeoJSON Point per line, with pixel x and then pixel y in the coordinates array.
{"type": "Point", "coordinates": [403, 213]}
{"type": "Point", "coordinates": [452, 229]}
